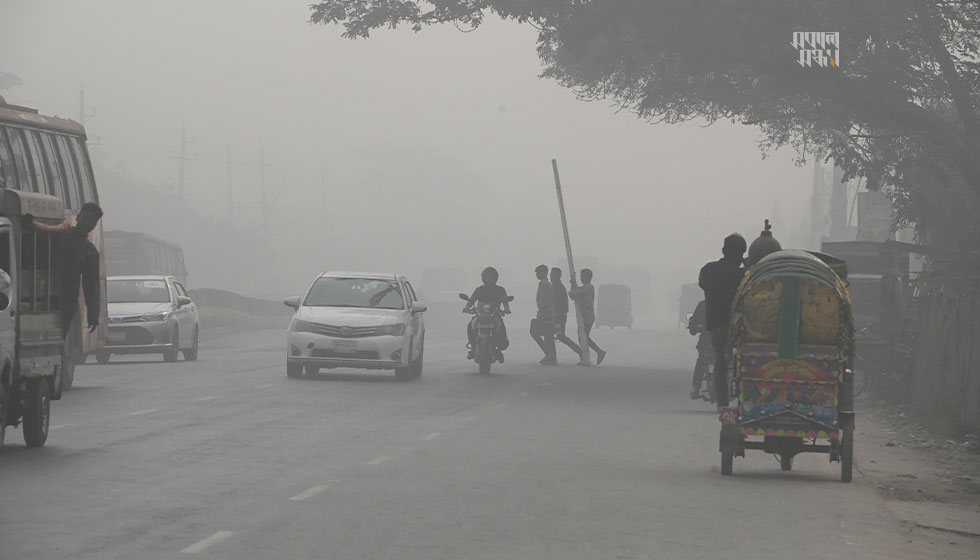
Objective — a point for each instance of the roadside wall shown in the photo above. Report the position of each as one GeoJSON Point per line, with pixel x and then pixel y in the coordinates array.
{"type": "Point", "coordinates": [221, 310]}
{"type": "Point", "coordinates": [946, 350]}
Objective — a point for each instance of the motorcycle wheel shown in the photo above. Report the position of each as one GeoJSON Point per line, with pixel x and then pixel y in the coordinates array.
{"type": "Point", "coordinates": [483, 356]}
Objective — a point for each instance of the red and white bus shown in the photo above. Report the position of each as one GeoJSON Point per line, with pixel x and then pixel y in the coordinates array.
{"type": "Point", "coordinates": [48, 155]}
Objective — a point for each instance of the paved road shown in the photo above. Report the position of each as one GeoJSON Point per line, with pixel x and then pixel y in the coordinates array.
{"type": "Point", "coordinates": [226, 458]}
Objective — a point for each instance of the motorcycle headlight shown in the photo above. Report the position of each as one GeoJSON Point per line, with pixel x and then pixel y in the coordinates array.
{"type": "Point", "coordinates": [301, 326]}
{"type": "Point", "coordinates": [397, 329]}
{"type": "Point", "coordinates": [155, 317]}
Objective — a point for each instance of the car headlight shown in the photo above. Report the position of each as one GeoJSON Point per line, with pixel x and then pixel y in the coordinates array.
{"type": "Point", "coordinates": [301, 326]}
{"type": "Point", "coordinates": [398, 329]}
{"type": "Point", "coordinates": [155, 317]}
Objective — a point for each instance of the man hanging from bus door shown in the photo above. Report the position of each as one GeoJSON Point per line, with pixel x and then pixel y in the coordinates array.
{"type": "Point", "coordinates": [80, 265]}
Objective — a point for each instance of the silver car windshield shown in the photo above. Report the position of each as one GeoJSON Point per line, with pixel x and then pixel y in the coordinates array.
{"type": "Point", "coordinates": [137, 291]}
{"type": "Point", "coordinates": [355, 292]}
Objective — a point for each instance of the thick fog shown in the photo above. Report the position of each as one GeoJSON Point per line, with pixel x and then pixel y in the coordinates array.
{"type": "Point", "coordinates": [400, 152]}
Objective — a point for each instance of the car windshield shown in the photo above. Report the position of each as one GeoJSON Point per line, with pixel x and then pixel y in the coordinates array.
{"type": "Point", "coordinates": [355, 292]}
{"type": "Point", "coordinates": [137, 291]}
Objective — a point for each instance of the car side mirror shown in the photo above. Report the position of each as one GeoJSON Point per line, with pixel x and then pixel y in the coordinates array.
{"type": "Point", "coordinates": [689, 315]}
{"type": "Point", "coordinates": [510, 299]}
{"type": "Point", "coordinates": [292, 302]}
{"type": "Point", "coordinates": [464, 297]}
{"type": "Point", "coordinates": [419, 308]}
{"type": "Point", "coordinates": [183, 301]}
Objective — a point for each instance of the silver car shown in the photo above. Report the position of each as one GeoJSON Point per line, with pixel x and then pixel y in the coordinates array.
{"type": "Point", "coordinates": [150, 315]}
{"type": "Point", "coordinates": [357, 320]}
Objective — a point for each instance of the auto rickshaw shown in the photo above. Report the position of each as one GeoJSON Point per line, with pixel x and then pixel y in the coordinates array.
{"type": "Point", "coordinates": [793, 338]}
{"type": "Point", "coordinates": [614, 306]}
{"type": "Point", "coordinates": [33, 352]}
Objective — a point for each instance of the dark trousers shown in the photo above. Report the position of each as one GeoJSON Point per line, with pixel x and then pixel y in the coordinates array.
{"type": "Point", "coordinates": [543, 333]}
{"type": "Point", "coordinates": [588, 333]}
{"type": "Point", "coordinates": [563, 338]}
{"type": "Point", "coordinates": [705, 358]}
{"type": "Point", "coordinates": [719, 341]}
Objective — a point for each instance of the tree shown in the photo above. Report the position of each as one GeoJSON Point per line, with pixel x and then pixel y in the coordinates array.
{"type": "Point", "coordinates": [900, 111]}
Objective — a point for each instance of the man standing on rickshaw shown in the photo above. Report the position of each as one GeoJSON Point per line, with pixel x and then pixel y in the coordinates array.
{"type": "Point", "coordinates": [720, 280]}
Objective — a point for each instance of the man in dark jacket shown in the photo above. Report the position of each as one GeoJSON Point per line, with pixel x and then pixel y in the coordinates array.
{"type": "Point", "coordinates": [561, 312]}
{"type": "Point", "coordinates": [543, 326]}
{"type": "Point", "coordinates": [720, 280]}
{"type": "Point", "coordinates": [80, 265]}
{"type": "Point", "coordinates": [584, 298]}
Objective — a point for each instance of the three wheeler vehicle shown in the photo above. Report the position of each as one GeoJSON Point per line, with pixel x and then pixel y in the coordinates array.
{"type": "Point", "coordinates": [793, 339]}
{"type": "Point", "coordinates": [33, 352]}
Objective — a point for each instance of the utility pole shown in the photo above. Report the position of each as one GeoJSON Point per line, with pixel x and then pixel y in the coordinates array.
{"type": "Point", "coordinates": [229, 163]}
{"type": "Point", "coordinates": [182, 158]}
{"type": "Point", "coordinates": [82, 114]}
{"type": "Point", "coordinates": [583, 337]}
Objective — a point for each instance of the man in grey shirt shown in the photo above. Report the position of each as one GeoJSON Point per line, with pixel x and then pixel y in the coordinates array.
{"type": "Point", "coordinates": [584, 298]}
{"type": "Point", "coordinates": [543, 326]}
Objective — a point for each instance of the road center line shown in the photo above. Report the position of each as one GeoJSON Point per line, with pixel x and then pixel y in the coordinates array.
{"type": "Point", "coordinates": [499, 406]}
{"type": "Point", "coordinates": [142, 412]}
{"type": "Point", "coordinates": [546, 383]}
{"type": "Point", "coordinates": [207, 398]}
{"type": "Point", "coordinates": [379, 460]}
{"type": "Point", "coordinates": [525, 394]}
{"type": "Point", "coordinates": [309, 493]}
{"type": "Point", "coordinates": [431, 436]}
{"type": "Point", "coordinates": [469, 418]}
{"type": "Point", "coordinates": [214, 539]}
{"type": "Point", "coordinates": [266, 386]}
{"type": "Point", "coordinates": [62, 426]}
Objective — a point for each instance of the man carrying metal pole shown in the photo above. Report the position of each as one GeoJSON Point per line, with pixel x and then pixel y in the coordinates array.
{"type": "Point", "coordinates": [583, 337]}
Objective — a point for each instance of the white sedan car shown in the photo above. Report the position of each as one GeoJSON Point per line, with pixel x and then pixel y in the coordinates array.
{"type": "Point", "coordinates": [357, 320]}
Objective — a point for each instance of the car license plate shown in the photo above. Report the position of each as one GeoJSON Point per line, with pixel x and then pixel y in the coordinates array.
{"type": "Point", "coordinates": [345, 346]}
{"type": "Point", "coordinates": [117, 337]}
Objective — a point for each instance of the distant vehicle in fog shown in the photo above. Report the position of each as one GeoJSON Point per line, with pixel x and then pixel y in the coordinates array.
{"type": "Point", "coordinates": [357, 320]}
{"type": "Point", "coordinates": [614, 306]}
{"type": "Point", "coordinates": [150, 315]}
{"type": "Point", "coordinates": [129, 253]}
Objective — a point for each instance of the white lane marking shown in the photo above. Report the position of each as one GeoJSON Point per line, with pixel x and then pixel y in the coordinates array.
{"type": "Point", "coordinates": [546, 383]}
{"type": "Point", "coordinates": [470, 418]}
{"type": "Point", "coordinates": [431, 436]}
{"type": "Point", "coordinates": [266, 386]}
{"type": "Point", "coordinates": [499, 406]}
{"type": "Point", "coordinates": [62, 426]}
{"type": "Point", "coordinates": [310, 493]}
{"type": "Point", "coordinates": [214, 539]}
{"type": "Point", "coordinates": [202, 399]}
{"type": "Point", "coordinates": [142, 412]}
{"type": "Point", "coordinates": [379, 460]}
{"type": "Point", "coordinates": [525, 394]}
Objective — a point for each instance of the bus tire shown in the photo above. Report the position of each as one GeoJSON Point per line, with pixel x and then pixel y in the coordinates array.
{"type": "Point", "coordinates": [37, 412]}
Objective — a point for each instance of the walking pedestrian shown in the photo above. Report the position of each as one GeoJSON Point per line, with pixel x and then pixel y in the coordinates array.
{"type": "Point", "coordinates": [561, 312]}
{"type": "Point", "coordinates": [584, 298]}
{"type": "Point", "coordinates": [543, 326]}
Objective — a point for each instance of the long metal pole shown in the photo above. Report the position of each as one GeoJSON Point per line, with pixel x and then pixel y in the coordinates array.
{"type": "Point", "coordinates": [583, 338]}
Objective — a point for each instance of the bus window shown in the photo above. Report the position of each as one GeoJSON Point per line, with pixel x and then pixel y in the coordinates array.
{"type": "Point", "coordinates": [37, 157]}
{"type": "Point", "coordinates": [57, 173]}
{"type": "Point", "coordinates": [71, 170]}
{"type": "Point", "coordinates": [84, 170]}
{"type": "Point", "coordinates": [19, 151]}
{"type": "Point", "coordinates": [8, 178]}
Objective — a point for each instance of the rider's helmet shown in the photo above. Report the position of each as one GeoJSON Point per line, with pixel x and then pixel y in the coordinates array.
{"type": "Point", "coordinates": [763, 245]}
{"type": "Point", "coordinates": [489, 275]}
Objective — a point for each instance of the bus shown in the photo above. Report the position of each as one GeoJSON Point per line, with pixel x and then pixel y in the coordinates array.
{"type": "Point", "coordinates": [130, 253]}
{"type": "Point", "coordinates": [48, 155]}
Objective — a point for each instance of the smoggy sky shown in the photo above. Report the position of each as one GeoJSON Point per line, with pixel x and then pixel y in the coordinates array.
{"type": "Point", "coordinates": [434, 145]}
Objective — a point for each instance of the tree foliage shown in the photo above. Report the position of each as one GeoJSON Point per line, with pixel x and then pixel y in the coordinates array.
{"type": "Point", "coordinates": [901, 111]}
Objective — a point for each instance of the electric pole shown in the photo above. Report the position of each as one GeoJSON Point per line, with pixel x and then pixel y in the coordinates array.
{"type": "Point", "coordinates": [182, 158]}
{"type": "Point", "coordinates": [229, 163]}
{"type": "Point", "coordinates": [82, 114]}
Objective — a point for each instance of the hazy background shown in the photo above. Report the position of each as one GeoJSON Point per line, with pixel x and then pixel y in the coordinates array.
{"type": "Point", "coordinates": [435, 147]}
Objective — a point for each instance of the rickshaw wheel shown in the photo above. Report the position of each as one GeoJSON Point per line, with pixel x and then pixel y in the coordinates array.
{"type": "Point", "coordinates": [847, 450]}
{"type": "Point", "coordinates": [727, 460]}
{"type": "Point", "coordinates": [37, 413]}
{"type": "Point", "coordinates": [786, 462]}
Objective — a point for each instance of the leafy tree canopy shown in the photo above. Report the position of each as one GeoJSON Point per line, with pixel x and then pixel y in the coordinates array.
{"type": "Point", "coordinates": [901, 110]}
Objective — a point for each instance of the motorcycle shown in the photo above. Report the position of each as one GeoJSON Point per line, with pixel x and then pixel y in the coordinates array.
{"type": "Point", "coordinates": [487, 320]}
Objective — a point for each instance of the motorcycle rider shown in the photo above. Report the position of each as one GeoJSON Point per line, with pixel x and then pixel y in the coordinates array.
{"type": "Point", "coordinates": [697, 326]}
{"type": "Point", "coordinates": [496, 296]}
